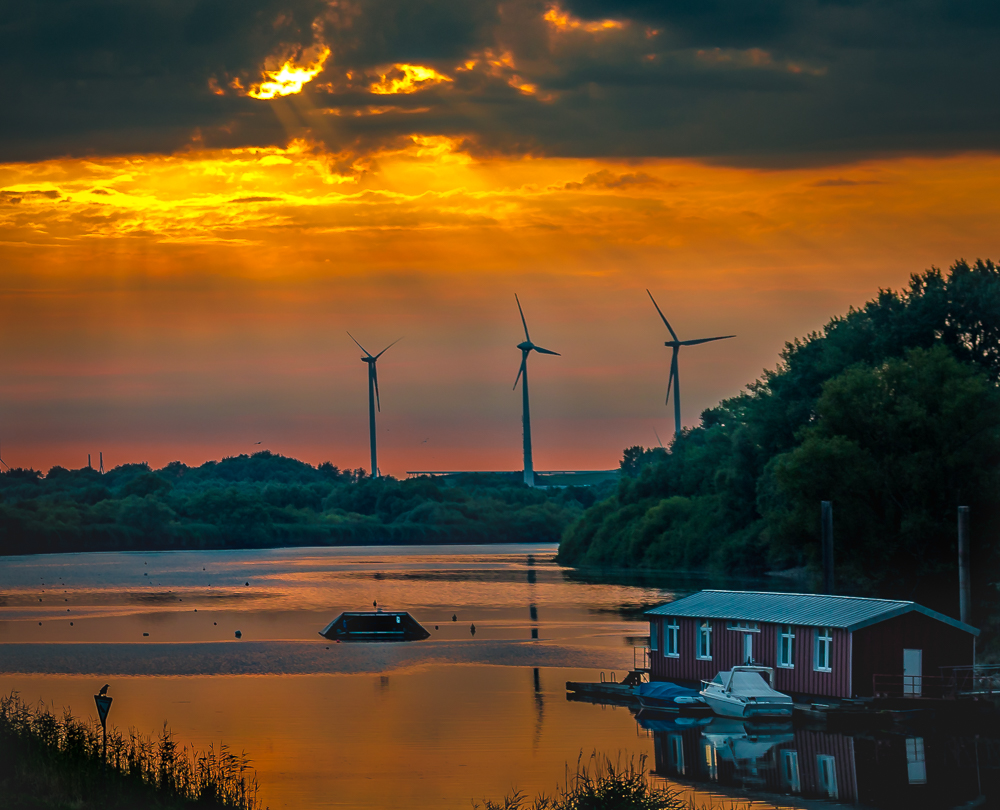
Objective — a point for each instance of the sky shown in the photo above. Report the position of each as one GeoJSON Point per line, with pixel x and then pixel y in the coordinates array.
{"type": "Point", "coordinates": [199, 199]}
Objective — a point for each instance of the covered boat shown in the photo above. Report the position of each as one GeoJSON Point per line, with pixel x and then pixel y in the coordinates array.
{"type": "Point", "coordinates": [669, 697]}
{"type": "Point", "coordinates": [377, 625]}
{"type": "Point", "coordinates": [742, 692]}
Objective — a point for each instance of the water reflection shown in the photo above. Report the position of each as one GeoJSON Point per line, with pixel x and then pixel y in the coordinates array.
{"type": "Point", "coordinates": [890, 771]}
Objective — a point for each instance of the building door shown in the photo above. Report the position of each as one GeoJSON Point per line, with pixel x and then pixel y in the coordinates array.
{"type": "Point", "coordinates": [748, 648]}
{"type": "Point", "coordinates": [912, 672]}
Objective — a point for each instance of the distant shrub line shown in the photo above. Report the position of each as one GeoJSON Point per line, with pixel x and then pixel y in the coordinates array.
{"type": "Point", "coordinates": [267, 500]}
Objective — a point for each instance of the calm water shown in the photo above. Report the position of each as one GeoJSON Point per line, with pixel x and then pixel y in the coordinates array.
{"type": "Point", "coordinates": [431, 724]}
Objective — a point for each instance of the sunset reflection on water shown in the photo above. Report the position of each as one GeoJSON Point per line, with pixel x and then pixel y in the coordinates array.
{"type": "Point", "coordinates": [437, 723]}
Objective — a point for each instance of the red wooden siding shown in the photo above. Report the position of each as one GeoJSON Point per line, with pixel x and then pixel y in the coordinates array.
{"type": "Point", "coordinates": [878, 649]}
{"type": "Point", "coordinates": [727, 652]}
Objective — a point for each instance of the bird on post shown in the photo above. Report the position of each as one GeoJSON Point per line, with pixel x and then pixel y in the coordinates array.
{"type": "Point", "coordinates": [104, 689]}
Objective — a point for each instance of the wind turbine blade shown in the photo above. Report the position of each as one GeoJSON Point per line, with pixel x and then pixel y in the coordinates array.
{"type": "Point", "coordinates": [359, 345]}
{"type": "Point", "coordinates": [546, 351]}
{"type": "Point", "coordinates": [673, 374]}
{"type": "Point", "coordinates": [377, 356]}
{"type": "Point", "coordinates": [524, 360]}
{"type": "Point", "coordinates": [524, 322]}
{"type": "Point", "coordinates": [704, 340]}
{"type": "Point", "coordinates": [658, 439]}
{"type": "Point", "coordinates": [375, 376]}
{"type": "Point", "coordinates": [673, 334]}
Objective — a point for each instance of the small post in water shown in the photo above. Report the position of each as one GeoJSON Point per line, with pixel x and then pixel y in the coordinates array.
{"type": "Point", "coordinates": [964, 585]}
{"type": "Point", "coordinates": [826, 520]}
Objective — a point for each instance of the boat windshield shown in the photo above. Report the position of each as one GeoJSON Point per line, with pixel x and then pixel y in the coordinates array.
{"type": "Point", "coordinates": [748, 684]}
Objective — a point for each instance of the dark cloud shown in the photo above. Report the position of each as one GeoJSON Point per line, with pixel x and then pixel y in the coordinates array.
{"type": "Point", "coordinates": [16, 197]}
{"type": "Point", "coordinates": [779, 81]}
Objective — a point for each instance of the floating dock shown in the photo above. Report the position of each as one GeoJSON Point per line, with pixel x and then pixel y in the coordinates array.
{"type": "Point", "coordinates": [375, 625]}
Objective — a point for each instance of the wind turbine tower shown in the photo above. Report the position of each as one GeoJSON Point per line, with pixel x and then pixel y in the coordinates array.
{"type": "Point", "coordinates": [674, 381]}
{"type": "Point", "coordinates": [526, 348]}
{"type": "Point", "coordinates": [373, 399]}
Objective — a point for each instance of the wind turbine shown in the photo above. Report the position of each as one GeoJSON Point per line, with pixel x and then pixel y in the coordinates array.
{"type": "Point", "coordinates": [526, 348]}
{"type": "Point", "coordinates": [373, 400]}
{"type": "Point", "coordinates": [674, 380]}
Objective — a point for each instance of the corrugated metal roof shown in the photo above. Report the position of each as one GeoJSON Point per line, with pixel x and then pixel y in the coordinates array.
{"type": "Point", "coordinates": [805, 609]}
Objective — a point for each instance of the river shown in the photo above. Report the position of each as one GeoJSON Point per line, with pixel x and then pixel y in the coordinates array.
{"type": "Point", "coordinates": [460, 717]}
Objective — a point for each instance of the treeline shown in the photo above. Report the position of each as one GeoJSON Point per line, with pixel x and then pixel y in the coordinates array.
{"type": "Point", "coordinates": [265, 500]}
{"type": "Point", "coordinates": [892, 412]}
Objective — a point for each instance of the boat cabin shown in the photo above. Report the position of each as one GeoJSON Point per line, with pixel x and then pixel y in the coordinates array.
{"type": "Point", "coordinates": [831, 646]}
{"type": "Point", "coordinates": [376, 625]}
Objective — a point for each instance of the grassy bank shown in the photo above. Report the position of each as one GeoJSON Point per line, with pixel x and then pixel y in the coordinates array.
{"type": "Point", "coordinates": [601, 784]}
{"type": "Point", "coordinates": [51, 763]}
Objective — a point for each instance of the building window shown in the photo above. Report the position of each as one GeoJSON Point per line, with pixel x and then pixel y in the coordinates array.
{"type": "Point", "coordinates": [824, 643]}
{"type": "Point", "coordinates": [675, 753]}
{"type": "Point", "coordinates": [671, 648]}
{"type": "Point", "coordinates": [786, 646]}
{"type": "Point", "coordinates": [790, 771]}
{"type": "Point", "coordinates": [704, 648]}
{"type": "Point", "coordinates": [826, 767]}
{"type": "Point", "coordinates": [916, 766]}
{"type": "Point", "coordinates": [746, 627]}
{"type": "Point", "coordinates": [711, 762]}
{"type": "Point", "coordinates": [654, 635]}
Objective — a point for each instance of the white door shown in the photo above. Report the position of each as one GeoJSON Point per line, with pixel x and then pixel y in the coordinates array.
{"type": "Point", "coordinates": [748, 648]}
{"type": "Point", "coordinates": [912, 672]}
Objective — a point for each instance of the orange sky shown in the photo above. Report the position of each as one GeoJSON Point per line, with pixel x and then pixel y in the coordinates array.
{"type": "Point", "coordinates": [186, 306]}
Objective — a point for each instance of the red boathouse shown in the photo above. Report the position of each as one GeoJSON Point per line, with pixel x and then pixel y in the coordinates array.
{"type": "Point", "coordinates": [818, 645]}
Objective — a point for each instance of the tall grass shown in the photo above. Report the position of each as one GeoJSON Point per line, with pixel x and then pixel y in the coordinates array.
{"type": "Point", "coordinates": [53, 762]}
{"type": "Point", "coordinates": [600, 784]}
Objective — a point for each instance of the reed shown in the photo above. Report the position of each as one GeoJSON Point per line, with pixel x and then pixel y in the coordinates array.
{"type": "Point", "coordinates": [49, 762]}
{"type": "Point", "coordinates": [601, 783]}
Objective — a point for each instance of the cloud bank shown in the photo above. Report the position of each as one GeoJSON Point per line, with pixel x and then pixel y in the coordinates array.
{"type": "Point", "coordinates": [770, 83]}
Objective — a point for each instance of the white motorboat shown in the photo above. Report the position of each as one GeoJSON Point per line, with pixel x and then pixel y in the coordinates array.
{"type": "Point", "coordinates": [742, 692]}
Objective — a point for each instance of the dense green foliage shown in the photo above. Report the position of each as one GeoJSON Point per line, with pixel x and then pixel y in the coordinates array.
{"type": "Point", "coordinates": [892, 412]}
{"type": "Point", "coordinates": [269, 500]}
{"type": "Point", "coordinates": [48, 763]}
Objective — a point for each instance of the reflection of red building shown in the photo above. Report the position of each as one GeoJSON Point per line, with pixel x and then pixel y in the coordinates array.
{"type": "Point", "coordinates": [885, 770]}
{"type": "Point", "coordinates": [818, 645]}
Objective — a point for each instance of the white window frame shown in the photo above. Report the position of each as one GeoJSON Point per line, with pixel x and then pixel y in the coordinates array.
{"type": "Point", "coordinates": [704, 634]}
{"type": "Point", "coordinates": [823, 650]}
{"type": "Point", "coordinates": [826, 767]}
{"type": "Point", "coordinates": [675, 753]}
{"type": "Point", "coordinates": [786, 632]}
{"type": "Point", "coordinates": [790, 770]}
{"type": "Point", "coordinates": [745, 627]}
{"type": "Point", "coordinates": [671, 639]}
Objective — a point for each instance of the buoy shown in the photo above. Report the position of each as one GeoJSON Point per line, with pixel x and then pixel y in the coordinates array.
{"type": "Point", "coordinates": [239, 634]}
{"type": "Point", "coordinates": [454, 617]}
{"type": "Point", "coordinates": [473, 629]}
{"type": "Point", "coordinates": [145, 634]}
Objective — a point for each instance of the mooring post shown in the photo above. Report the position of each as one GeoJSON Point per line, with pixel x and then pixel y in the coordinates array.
{"type": "Point", "coordinates": [964, 585]}
{"type": "Point", "coordinates": [826, 521]}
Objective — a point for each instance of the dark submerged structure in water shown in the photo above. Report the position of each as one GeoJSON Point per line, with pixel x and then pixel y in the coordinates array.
{"type": "Point", "coordinates": [375, 625]}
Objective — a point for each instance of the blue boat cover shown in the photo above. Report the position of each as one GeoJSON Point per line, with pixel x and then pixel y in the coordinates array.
{"type": "Point", "coordinates": [664, 690]}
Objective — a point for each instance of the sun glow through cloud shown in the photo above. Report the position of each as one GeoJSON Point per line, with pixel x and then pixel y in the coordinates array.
{"type": "Point", "coordinates": [291, 77]}
{"type": "Point", "coordinates": [197, 295]}
{"type": "Point", "coordinates": [412, 79]}
{"type": "Point", "coordinates": [564, 21]}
